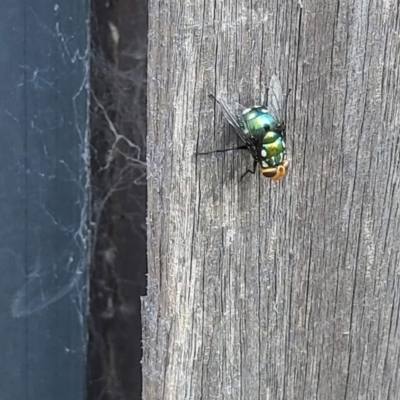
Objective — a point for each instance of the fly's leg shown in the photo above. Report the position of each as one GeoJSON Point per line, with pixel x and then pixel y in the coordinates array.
{"type": "Point", "coordinates": [266, 97]}
{"type": "Point", "coordinates": [283, 127]}
{"type": "Point", "coordinates": [249, 170]}
{"type": "Point", "coordinates": [211, 96]}
{"type": "Point", "coordinates": [244, 147]}
{"type": "Point", "coordinates": [282, 130]}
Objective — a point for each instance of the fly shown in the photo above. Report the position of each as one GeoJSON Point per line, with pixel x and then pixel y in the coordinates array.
{"type": "Point", "coordinates": [262, 129]}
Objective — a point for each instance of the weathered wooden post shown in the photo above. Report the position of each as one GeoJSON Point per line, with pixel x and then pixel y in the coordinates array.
{"type": "Point", "coordinates": [264, 290]}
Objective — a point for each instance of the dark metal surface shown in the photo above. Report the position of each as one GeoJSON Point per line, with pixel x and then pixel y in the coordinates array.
{"type": "Point", "coordinates": [118, 125]}
{"type": "Point", "coordinates": [43, 205]}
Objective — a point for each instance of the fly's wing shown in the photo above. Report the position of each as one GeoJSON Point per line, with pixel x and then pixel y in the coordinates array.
{"type": "Point", "coordinates": [275, 99]}
{"type": "Point", "coordinates": [233, 113]}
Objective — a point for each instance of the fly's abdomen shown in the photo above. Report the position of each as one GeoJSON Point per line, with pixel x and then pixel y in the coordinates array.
{"type": "Point", "coordinates": [257, 121]}
{"type": "Point", "coordinates": [273, 149]}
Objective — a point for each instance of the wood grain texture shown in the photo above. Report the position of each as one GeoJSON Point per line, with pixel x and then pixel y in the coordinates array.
{"type": "Point", "coordinates": [263, 290]}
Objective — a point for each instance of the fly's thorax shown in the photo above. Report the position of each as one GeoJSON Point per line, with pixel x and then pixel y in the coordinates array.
{"type": "Point", "coordinates": [273, 149]}
{"type": "Point", "coordinates": [257, 121]}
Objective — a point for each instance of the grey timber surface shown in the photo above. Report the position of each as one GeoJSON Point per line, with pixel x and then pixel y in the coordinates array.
{"type": "Point", "coordinates": [264, 290]}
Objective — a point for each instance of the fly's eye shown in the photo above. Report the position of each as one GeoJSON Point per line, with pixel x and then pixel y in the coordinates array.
{"type": "Point", "coordinates": [280, 171]}
{"type": "Point", "coordinates": [269, 172]}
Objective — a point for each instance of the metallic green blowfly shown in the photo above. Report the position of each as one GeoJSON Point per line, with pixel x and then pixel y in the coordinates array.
{"type": "Point", "coordinates": [262, 129]}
